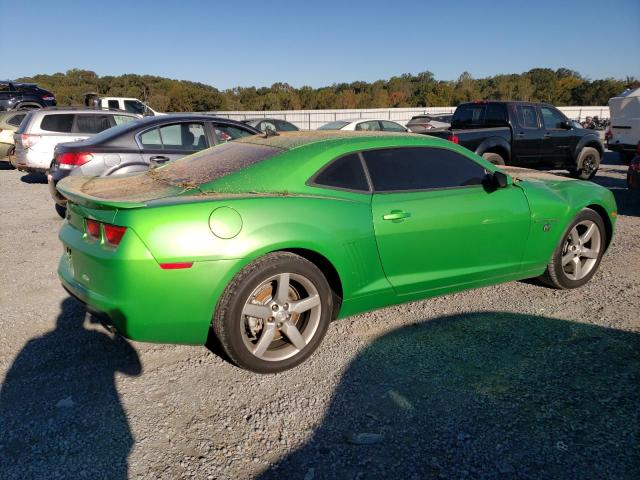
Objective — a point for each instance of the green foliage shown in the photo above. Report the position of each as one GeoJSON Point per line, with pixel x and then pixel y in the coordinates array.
{"type": "Point", "coordinates": [559, 87]}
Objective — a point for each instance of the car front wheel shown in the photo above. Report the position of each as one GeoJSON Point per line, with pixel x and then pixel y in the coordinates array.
{"type": "Point", "coordinates": [587, 164]}
{"type": "Point", "coordinates": [577, 257]}
{"type": "Point", "coordinates": [274, 313]}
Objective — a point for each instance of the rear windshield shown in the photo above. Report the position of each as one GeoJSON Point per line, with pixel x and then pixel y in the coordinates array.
{"type": "Point", "coordinates": [113, 132]}
{"type": "Point", "coordinates": [480, 115]}
{"type": "Point", "coordinates": [213, 163]}
{"type": "Point", "coordinates": [333, 125]}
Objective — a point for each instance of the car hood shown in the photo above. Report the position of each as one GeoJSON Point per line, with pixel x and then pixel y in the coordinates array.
{"type": "Point", "coordinates": [519, 174]}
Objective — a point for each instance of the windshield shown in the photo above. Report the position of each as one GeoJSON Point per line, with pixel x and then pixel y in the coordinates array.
{"type": "Point", "coordinates": [334, 125]}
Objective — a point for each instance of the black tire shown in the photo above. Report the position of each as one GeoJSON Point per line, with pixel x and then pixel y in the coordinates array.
{"type": "Point", "coordinates": [60, 210]}
{"type": "Point", "coordinates": [228, 315]}
{"type": "Point", "coordinates": [11, 157]}
{"type": "Point", "coordinates": [555, 275]}
{"type": "Point", "coordinates": [494, 158]}
{"type": "Point", "coordinates": [587, 164]}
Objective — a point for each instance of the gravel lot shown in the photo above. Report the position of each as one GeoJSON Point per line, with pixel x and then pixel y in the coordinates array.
{"type": "Point", "coordinates": [511, 381]}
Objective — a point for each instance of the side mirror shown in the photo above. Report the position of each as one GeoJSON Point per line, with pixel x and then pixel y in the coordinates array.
{"type": "Point", "coordinates": [566, 125]}
{"type": "Point", "coordinates": [496, 180]}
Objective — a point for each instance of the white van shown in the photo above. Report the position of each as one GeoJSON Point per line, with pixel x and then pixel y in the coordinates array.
{"type": "Point", "coordinates": [625, 124]}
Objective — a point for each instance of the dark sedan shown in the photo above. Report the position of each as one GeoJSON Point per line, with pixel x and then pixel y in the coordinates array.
{"type": "Point", "coordinates": [135, 146]}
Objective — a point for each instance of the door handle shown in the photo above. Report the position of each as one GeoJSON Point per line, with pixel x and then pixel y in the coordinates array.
{"type": "Point", "coordinates": [396, 215]}
{"type": "Point", "coordinates": [159, 159]}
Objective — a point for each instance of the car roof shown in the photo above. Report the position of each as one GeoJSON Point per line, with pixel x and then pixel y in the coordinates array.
{"type": "Point", "coordinates": [291, 140]}
{"type": "Point", "coordinates": [260, 119]}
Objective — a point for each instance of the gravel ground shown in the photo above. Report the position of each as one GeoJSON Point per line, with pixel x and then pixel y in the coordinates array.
{"type": "Point", "coordinates": [511, 381]}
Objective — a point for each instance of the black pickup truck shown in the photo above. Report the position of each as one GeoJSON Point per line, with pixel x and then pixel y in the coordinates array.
{"type": "Point", "coordinates": [523, 134]}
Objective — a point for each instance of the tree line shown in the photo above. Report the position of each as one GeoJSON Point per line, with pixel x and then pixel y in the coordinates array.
{"type": "Point", "coordinates": [562, 87]}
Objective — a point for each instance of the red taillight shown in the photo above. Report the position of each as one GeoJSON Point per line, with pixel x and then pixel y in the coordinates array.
{"type": "Point", "coordinates": [74, 159]}
{"type": "Point", "coordinates": [113, 234]}
{"type": "Point", "coordinates": [453, 138]}
{"type": "Point", "coordinates": [29, 141]}
{"type": "Point", "coordinates": [48, 97]}
{"type": "Point", "coordinates": [175, 266]}
{"type": "Point", "coordinates": [93, 229]}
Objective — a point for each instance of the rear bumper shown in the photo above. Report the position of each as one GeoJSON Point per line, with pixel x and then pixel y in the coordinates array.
{"type": "Point", "coordinates": [143, 302]}
{"type": "Point", "coordinates": [53, 177]}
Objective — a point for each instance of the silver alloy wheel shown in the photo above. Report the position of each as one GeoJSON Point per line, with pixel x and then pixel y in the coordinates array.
{"type": "Point", "coordinates": [280, 317]}
{"type": "Point", "coordinates": [581, 250]}
{"type": "Point", "coordinates": [589, 164]}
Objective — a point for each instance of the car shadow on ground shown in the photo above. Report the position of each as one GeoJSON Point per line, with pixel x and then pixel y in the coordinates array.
{"type": "Point", "coordinates": [60, 412]}
{"type": "Point", "coordinates": [5, 166]}
{"type": "Point", "coordinates": [34, 177]}
{"type": "Point", "coordinates": [482, 395]}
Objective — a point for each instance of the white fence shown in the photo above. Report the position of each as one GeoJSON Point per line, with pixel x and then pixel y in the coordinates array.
{"type": "Point", "coordinates": [312, 119]}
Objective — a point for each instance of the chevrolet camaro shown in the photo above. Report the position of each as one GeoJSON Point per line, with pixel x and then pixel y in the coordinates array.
{"type": "Point", "coordinates": [261, 242]}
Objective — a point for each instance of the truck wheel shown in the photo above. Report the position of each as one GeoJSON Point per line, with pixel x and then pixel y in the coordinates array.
{"type": "Point", "coordinates": [587, 164]}
{"type": "Point", "coordinates": [494, 158]}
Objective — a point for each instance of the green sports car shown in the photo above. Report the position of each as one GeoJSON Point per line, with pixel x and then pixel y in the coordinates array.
{"type": "Point", "coordinates": [265, 240]}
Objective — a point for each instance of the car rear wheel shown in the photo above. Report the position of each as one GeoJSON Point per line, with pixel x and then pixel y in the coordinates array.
{"type": "Point", "coordinates": [577, 257]}
{"type": "Point", "coordinates": [494, 158]}
{"type": "Point", "coordinates": [60, 210]}
{"type": "Point", "coordinates": [587, 164]}
{"type": "Point", "coordinates": [11, 157]}
{"type": "Point", "coordinates": [274, 313]}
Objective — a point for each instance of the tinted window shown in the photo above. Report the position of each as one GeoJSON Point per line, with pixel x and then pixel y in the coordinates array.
{"type": "Point", "coordinates": [16, 119]}
{"type": "Point", "coordinates": [228, 132]}
{"type": "Point", "coordinates": [551, 117]}
{"type": "Point", "coordinates": [114, 104]}
{"type": "Point", "coordinates": [368, 126]}
{"type": "Point", "coordinates": [495, 115]}
{"type": "Point", "coordinates": [134, 106]}
{"type": "Point", "coordinates": [346, 172]}
{"type": "Point", "coordinates": [527, 116]}
{"type": "Point", "coordinates": [266, 124]}
{"type": "Point", "coordinates": [5, 87]}
{"type": "Point", "coordinates": [92, 123]}
{"type": "Point", "coordinates": [285, 126]}
{"type": "Point", "coordinates": [468, 114]}
{"type": "Point", "coordinates": [57, 123]}
{"type": "Point", "coordinates": [334, 125]}
{"type": "Point", "coordinates": [419, 168]}
{"type": "Point", "coordinates": [392, 126]}
{"type": "Point", "coordinates": [151, 138]}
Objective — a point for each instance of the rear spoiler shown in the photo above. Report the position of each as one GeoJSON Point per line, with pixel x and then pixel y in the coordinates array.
{"type": "Point", "coordinates": [71, 188]}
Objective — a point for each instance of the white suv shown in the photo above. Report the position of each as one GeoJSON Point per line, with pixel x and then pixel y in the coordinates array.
{"type": "Point", "coordinates": [43, 129]}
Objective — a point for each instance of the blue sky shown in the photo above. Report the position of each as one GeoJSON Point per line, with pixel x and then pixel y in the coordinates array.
{"type": "Point", "coordinates": [233, 43]}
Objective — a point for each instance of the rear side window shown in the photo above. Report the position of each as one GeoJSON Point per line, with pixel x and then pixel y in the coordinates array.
{"type": "Point", "coordinates": [92, 123]}
{"type": "Point", "coordinates": [345, 173]}
{"type": "Point", "coordinates": [230, 132]}
{"type": "Point", "coordinates": [177, 136]}
{"type": "Point", "coordinates": [469, 115]}
{"type": "Point", "coordinates": [392, 127]}
{"type": "Point", "coordinates": [285, 126]}
{"type": "Point", "coordinates": [337, 125]}
{"type": "Point", "coordinates": [495, 115]}
{"type": "Point", "coordinates": [373, 126]}
{"type": "Point", "coordinates": [527, 116]}
{"type": "Point", "coordinates": [421, 168]}
{"type": "Point", "coordinates": [16, 120]}
{"type": "Point", "coordinates": [114, 104]}
{"type": "Point", "coordinates": [61, 123]}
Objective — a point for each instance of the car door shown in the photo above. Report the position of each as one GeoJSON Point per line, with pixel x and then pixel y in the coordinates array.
{"type": "Point", "coordinates": [557, 141]}
{"type": "Point", "coordinates": [436, 225]}
{"type": "Point", "coordinates": [162, 144]}
{"type": "Point", "coordinates": [527, 136]}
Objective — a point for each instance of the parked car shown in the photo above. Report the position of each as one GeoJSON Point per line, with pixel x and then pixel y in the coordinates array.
{"type": "Point", "coordinates": [24, 96]}
{"type": "Point", "coordinates": [365, 125]}
{"type": "Point", "coordinates": [43, 129]}
{"type": "Point", "coordinates": [633, 173]}
{"type": "Point", "coordinates": [624, 132]}
{"type": "Point", "coordinates": [9, 123]}
{"type": "Point", "coordinates": [274, 124]}
{"type": "Point", "coordinates": [422, 123]}
{"type": "Point", "coordinates": [524, 134]}
{"type": "Point", "coordinates": [265, 240]}
{"type": "Point", "coordinates": [131, 105]}
{"type": "Point", "coordinates": [135, 146]}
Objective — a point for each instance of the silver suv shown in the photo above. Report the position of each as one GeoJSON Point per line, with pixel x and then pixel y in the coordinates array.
{"type": "Point", "coordinates": [43, 129]}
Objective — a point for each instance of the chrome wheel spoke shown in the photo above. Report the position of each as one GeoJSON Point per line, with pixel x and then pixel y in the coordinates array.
{"type": "Point", "coordinates": [586, 236]}
{"type": "Point", "coordinates": [577, 268]}
{"type": "Point", "coordinates": [305, 304]}
{"type": "Point", "coordinates": [266, 338]}
{"type": "Point", "coordinates": [589, 253]}
{"type": "Point", "coordinates": [566, 259]}
{"type": "Point", "coordinates": [257, 311]}
{"type": "Point", "coordinates": [293, 334]}
{"type": "Point", "coordinates": [574, 237]}
{"type": "Point", "coordinates": [282, 291]}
